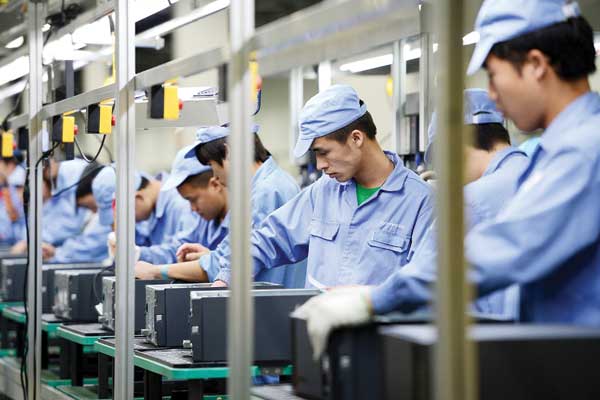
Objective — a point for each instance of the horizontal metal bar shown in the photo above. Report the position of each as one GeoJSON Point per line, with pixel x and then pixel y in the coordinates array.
{"type": "Point", "coordinates": [78, 102]}
{"type": "Point", "coordinates": [18, 121]}
{"type": "Point", "coordinates": [333, 30]}
{"type": "Point", "coordinates": [182, 67]}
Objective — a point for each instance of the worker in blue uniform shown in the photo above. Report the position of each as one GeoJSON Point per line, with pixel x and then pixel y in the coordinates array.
{"type": "Point", "coordinates": [12, 218]}
{"type": "Point", "coordinates": [271, 188]}
{"type": "Point", "coordinates": [358, 223]}
{"type": "Point", "coordinates": [538, 55]}
{"type": "Point", "coordinates": [90, 245]}
{"type": "Point", "coordinates": [204, 202]}
{"type": "Point", "coordinates": [492, 169]}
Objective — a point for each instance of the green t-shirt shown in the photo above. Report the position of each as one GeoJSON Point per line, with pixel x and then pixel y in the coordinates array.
{"type": "Point", "coordinates": [363, 194]}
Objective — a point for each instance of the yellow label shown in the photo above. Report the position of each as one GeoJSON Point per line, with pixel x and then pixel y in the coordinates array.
{"type": "Point", "coordinates": [171, 110]}
{"type": "Point", "coordinates": [105, 119]}
{"type": "Point", "coordinates": [68, 132]}
{"type": "Point", "coordinates": [7, 144]}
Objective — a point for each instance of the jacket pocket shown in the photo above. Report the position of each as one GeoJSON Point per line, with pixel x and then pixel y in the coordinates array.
{"type": "Point", "coordinates": [324, 230]}
{"type": "Point", "coordinates": [390, 239]}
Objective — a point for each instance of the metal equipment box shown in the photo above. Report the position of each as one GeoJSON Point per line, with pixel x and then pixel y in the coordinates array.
{"type": "Point", "coordinates": [517, 362]}
{"type": "Point", "coordinates": [77, 292]}
{"type": "Point", "coordinates": [107, 319]}
{"type": "Point", "coordinates": [12, 281]}
{"type": "Point", "coordinates": [167, 311]}
{"type": "Point", "coordinates": [390, 362]}
{"type": "Point", "coordinates": [272, 328]}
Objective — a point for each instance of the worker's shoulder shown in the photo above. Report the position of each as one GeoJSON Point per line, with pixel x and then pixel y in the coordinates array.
{"type": "Point", "coordinates": [415, 185]}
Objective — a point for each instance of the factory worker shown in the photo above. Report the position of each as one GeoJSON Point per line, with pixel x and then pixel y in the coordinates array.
{"type": "Point", "coordinates": [538, 55]}
{"type": "Point", "coordinates": [358, 223]}
{"type": "Point", "coordinates": [90, 245]}
{"type": "Point", "coordinates": [529, 145]}
{"type": "Point", "coordinates": [12, 219]}
{"type": "Point", "coordinates": [205, 200]}
{"type": "Point", "coordinates": [271, 188]}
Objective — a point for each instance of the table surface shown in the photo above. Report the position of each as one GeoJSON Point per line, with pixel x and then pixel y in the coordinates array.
{"type": "Point", "coordinates": [83, 334]}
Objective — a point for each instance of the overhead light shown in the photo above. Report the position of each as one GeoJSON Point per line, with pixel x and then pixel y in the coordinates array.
{"type": "Point", "coordinates": [368, 63]}
{"type": "Point", "coordinates": [470, 38]}
{"type": "Point", "coordinates": [97, 33]}
{"type": "Point", "coordinates": [146, 8]}
{"type": "Point", "coordinates": [61, 49]}
{"type": "Point", "coordinates": [16, 43]}
{"type": "Point", "coordinates": [14, 70]}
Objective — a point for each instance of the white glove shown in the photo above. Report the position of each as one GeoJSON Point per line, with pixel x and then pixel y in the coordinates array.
{"type": "Point", "coordinates": [346, 306]}
{"type": "Point", "coordinates": [112, 247]}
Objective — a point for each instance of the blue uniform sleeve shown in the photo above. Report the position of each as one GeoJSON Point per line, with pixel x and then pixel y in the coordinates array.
{"type": "Point", "coordinates": [90, 246]}
{"type": "Point", "coordinates": [553, 217]}
{"type": "Point", "coordinates": [165, 252]}
{"type": "Point", "coordinates": [62, 220]}
{"type": "Point", "coordinates": [280, 239]}
{"type": "Point", "coordinates": [423, 222]}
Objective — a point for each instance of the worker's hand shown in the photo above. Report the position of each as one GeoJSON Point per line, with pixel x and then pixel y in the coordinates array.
{"type": "Point", "coordinates": [19, 247]}
{"type": "Point", "coordinates": [190, 252]}
{"type": "Point", "coordinates": [333, 309]}
{"type": "Point", "coordinates": [48, 251]}
{"type": "Point", "coordinates": [219, 283]}
{"type": "Point", "coordinates": [111, 242]}
{"type": "Point", "coordinates": [145, 270]}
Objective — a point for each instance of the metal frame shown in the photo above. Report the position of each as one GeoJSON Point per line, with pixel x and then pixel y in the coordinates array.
{"type": "Point", "coordinates": [327, 31]}
{"type": "Point", "coordinates": [400, 138]}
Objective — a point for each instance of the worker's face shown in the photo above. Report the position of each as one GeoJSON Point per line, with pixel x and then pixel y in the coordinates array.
{"type": "Point", "coordinates": [143, 205]}
{"type": "Point", "coordinates": [339, 160]}
{"type": "Point", "coordinates": [210, 201]}
{"type": "Point", "coordinates": [220, 171]}
{"type": "Point", "coordinates": [88, 202]}
{"type": "Point", "coordinates": [518, 94]}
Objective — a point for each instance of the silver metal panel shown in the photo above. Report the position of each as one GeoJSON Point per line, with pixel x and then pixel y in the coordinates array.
{"type": "Point", "coordinates": [426, 75]}
{"type": "Point", "coordinates": [35, 18]}
{"type": "Point", "coordinates": [182, 67]}
{"type": "Point", "coordinates": [296, 103]}
{"type": "Point", "coordinates": [454, 369]}
{"type": "Point", "coordinates": [194, 113]}
{"type": "Point", "coordinates": [125, 195]}
{"type": "Point", "coordinates": [19, 121]}
{"type": "Point", "coordinates": [240, 307]}
{"type": "Point", "coordinates": [332, 30]}
{"type": "Point", "coordinates": [79, 102]}
{"type": "Point", "coordinates": [401, 135]}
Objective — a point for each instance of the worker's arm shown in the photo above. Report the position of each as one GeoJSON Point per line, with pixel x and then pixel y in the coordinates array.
{"type": "Point", "coordinates": [11, 209]}
{"type": "Point", "coordinates": [186, 271]}
{"type": "Point", "coordinates": [280, 239]}
{"type": "Point", "coordinates": [165, 252]}
{"type": "Point", "coordinates": [91, 246]}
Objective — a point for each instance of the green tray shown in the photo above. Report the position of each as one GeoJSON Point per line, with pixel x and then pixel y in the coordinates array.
{"type": "Point", "coordinates": [13, 315]}
{"type": "Point", "coordinates": [77, 338]}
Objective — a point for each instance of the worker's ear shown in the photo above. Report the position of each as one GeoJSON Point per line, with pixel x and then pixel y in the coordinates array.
{"type": "Point", "coordinates": [138, 196]}
{"type": "Point", "coordinates": [215, 184]}
{"type": "Point", "coordinates": [538, 62]}
{"type": "Point", "coordinates": [357, 137]}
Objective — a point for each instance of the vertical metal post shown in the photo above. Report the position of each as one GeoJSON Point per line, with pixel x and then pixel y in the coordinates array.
{"type": "Point", "coordinates": [454, 367]}
{"type": "Point", "coordinates": [425, 88]}
{"type": "Point", "coordinates": [296, 102]}
{"type": "Point", "coordinates": [400, 135]}
{"type": "Point", "coordinates": [125, 194]}
{"type": "Point", "coordinates": [35, 16]}
{"type": "Point", "coordinates": [324, 75]}
{"type": "Point", "coordinates": [240, 332]}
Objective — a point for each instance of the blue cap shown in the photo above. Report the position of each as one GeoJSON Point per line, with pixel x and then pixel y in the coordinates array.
{"type": "Point", "coordinates": [501, 20]}
{"type": "Point", "coordinates": [17, 177]}
{"type": "Point", "coordinates": [183, 168]}
{"type": "Point", "coordinates": [328, 111]}
{"type": "Point", "coordinates": [478, 109]}
{"type": "Point", "coordinates": [103, 189]}
{"type": "Point", "coordinates": [208, 134]}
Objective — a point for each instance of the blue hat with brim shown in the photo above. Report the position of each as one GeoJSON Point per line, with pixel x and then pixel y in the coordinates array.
{"type": "Point", "coordinates": [208, 134]}
{"type": "Point", "coordinates": [328, 111]}
{"type": "Point", "coordinates": [183, 168]}
{"type": "Point", "coordinates": [502, 20]}
{"type": "Point", "coordinates": [478, 109]}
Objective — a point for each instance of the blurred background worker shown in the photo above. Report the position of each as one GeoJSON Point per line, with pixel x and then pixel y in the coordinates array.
{"type": "Point", "coordinates": [62, 219]}
{"type": "Point", "coordinates": [12, 217]}
{"type": "Point", "coordinates": [359, 222]}
{"type": "Point", "coordinates": [271, 188]}
{"type": "Point", "coordinates": [538, 55]}
{"type": "Point", "coordinates": [207, 198]}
